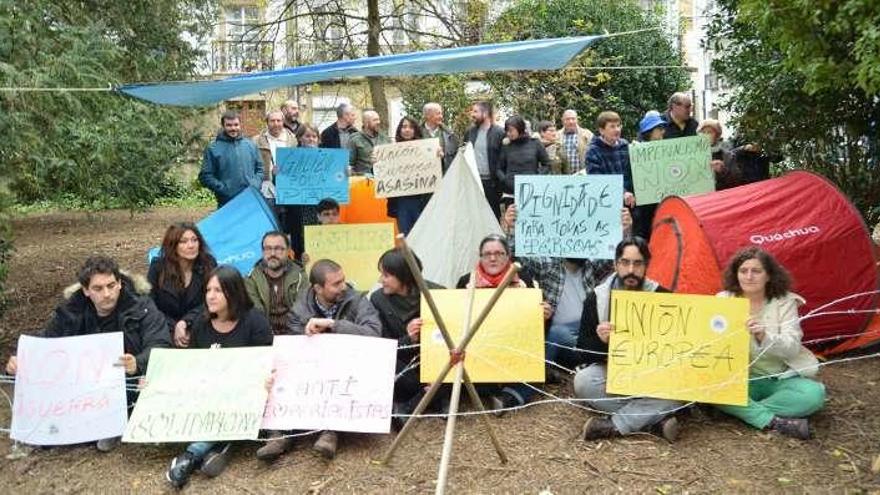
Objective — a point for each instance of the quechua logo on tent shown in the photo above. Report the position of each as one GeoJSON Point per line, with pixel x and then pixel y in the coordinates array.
{"type": "Point", "coordinates": [781, 236]}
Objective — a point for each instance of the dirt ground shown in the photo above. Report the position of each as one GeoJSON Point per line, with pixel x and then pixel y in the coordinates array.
{"type": "Point", "coordinates": [714, 454]}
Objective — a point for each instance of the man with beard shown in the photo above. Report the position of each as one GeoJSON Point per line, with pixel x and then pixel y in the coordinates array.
{"type": "Point", "coordinates": [487, 138]}
{"type": "Point", "coordinates": [231, 163]}
{"type": "Point", "coordinates": [276, 282]}
{"type": "Point", "coordinates": [628, 414]}
{"type": "Point", "coordinates": [290, 109]}
{"type": "Point", "coordinates": [330, 305]}
{"type": "Point", "coordinates": [362, 143]}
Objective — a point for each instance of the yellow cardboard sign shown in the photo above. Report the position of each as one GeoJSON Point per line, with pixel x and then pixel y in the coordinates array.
{"type": "Point", "coordinates": [508, 347]}
{"type": "Point", "coordinates": [356, 247]}
{"type": "Point", "coordinates": [679, 346]}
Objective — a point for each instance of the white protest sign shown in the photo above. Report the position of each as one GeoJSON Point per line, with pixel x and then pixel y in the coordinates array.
{"type": "Point", "coordinates": [202, 395]}
{"type": "Point", "coordinates": [332, 382]}
{"type": "Point", "coordinates": [67, 389]}
{"type": "Point", "coordinates": [407, 168]}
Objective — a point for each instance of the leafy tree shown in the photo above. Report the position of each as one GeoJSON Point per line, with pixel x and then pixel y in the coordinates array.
{"type": "Point", "coordinates": [447, 90]}
{"type": "Point", "coordinates": [546, 94]}
{"type": "Point", "coordinates": [95, 146]}
{"type": "Point", "coordinates": [808, 97]}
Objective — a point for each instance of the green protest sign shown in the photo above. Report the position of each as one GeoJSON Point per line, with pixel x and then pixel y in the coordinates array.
{"type": "Point", "coordinates": [671, 167]}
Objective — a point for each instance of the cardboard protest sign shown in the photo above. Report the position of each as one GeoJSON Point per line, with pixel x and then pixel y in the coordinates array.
{"type": "Point", "coordinates": [407, 168]}
{"type": "Point", "coordinates": [308, 175]}
{"type": "Point", "coordinates": [332, 382]}
{"type": "Point", "coordinates": [356, 247]}
{"type": "Point", "coordinates": [671, 167]}
{"type": "Point", "coordinates": [679, 346]}
{"type": "Point", "coordinates": [568, 216]}
{"type": "Point", "coordinates": [67, 390]}
{"type": "Point", "coordinates": [508, 347]}
{"type": "Point", "coordinates": [202, 395]}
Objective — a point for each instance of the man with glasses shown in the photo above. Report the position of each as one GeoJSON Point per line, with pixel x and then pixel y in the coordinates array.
{"type": "Point", "coordinates": [276, 281]}
{"type": "Point", "coordinates": [628, 414]}
{"type": "Point", "coordinates": [678, 120]}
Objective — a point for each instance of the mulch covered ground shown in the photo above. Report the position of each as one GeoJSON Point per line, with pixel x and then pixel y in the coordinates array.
{"type": "Point", "coordinates": [714, 454]}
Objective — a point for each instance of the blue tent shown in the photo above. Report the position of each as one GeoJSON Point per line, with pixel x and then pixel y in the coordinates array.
{"type": "Point", "coordinates": [545, 54]}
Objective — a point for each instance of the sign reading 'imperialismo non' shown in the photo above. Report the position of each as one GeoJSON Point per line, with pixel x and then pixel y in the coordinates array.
{"type": "Point", "coordinates": [671, 167]}
{"type": "Point", "coordinates": [202, 395]}
{"type": "Point", "coordinates": [407, 168]}
{"type": "Point", "coordinates": [568, 216]}
{"type": "Point", "coordinates": [332, 382]}
{"type": "Point", "coordinates": [679, 346]}
{"type": "Point", "coordinates": [308, 175]}
{"type": "Point", "coordinates": [356, 247]}
{"type": "Point", "coordinates": [67, 390]}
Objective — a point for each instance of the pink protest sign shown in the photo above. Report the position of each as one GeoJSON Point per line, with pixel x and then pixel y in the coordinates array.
{"type": "Point", "coordinates": [67, 390]}
{"type": "Point", "coordinates": [332, 382]}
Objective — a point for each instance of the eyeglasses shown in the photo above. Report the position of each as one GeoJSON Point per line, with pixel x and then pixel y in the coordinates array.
{"type": "Point", "coordinates": [633, 263]}
{"type": "Point", "coordinates": [493, 254]}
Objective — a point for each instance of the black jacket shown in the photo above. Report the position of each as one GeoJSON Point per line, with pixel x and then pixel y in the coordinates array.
{"type": "Point", "coordinates": [395, 312]}
{"type": "Point", "coordinates": [494, 138]}
{"type": "Point", "coordinates": [448, 143]}
{"type": "Point", "coordinates": [330, 136]}
{"type": "Point", "coordinates": [671, 130]}
{"type": "Point", "coordinates": [142, 325]}
{"type": "Point", "coordinates": [523, 156]}
{"type": "Point", "coordinates": [176, 304]}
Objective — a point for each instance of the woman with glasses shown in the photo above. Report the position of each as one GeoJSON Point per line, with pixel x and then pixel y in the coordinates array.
{"type": "Point", "coordinates": [781, 392]}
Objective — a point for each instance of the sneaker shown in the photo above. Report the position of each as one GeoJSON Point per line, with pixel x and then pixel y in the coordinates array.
{"type": "Point", "coordinates": [215, 462]}
{"type": "Point", "coordinates": [554, 376]}
{"type": "Point", "coordinates": [669, 428]}
{"type": "Point", "coordinates": [501, 402]}
{"type": "Point", "coordinates": [108, 444]}
{"type": "Point", "coordinates": [326, 444]}
{"type": "Point", "coordinates": [274, 448]}
{"type": "Point", "coordinates": [181, 469]}
{"type": "Point", "coordinates": [597, 427]}
{"type": "Point", "coordinates": [791, 427]}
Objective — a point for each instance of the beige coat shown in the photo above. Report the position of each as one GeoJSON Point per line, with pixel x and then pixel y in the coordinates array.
{"type": "Point", "coordinates": [262, 142]}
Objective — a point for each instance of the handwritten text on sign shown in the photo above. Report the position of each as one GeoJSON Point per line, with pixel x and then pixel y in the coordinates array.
{"type": "Point", "coordinates": [678, 346]}
{"type": "Point", "coordinates": [568, 216]}
{"type": "Point", "coordinates": [67, 390]}
{"type": "Point", "coordinates": [308, 175]}
{"type": "Point", "coordinates": [356, 247]}
{"type": "Point", "coordinates": [508, 347]}
{"type": "Point", "coordinates": [202, 395]}
{"type": "Point", "coordinates": [407, 168]}
{"type": "Point", "coordinates": [671, 167]}
{"type": "Point", "coordinates": [332, 382]}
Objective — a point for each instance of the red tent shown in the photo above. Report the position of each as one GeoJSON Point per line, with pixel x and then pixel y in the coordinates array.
{"type": "Point", "coordinates": [804, 221]}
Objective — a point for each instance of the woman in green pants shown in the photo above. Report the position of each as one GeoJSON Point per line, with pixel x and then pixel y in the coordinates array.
{"type": "Point", "coordinates": [781, 392]}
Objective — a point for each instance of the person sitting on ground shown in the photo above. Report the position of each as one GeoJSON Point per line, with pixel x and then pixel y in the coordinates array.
{"type": "Point", "coordinates": [178, 276]}
{"type": "Point", "coordinates": [330, 305]}
{"type": "Point", "coordinates": [106, 300]}
{"type": "Point", "coordinates": [328, 212]}
{"type": "Point", "coordinates": [496, 259]}
{"type": "Point", "coordinates": [628, 414]}
{"type": "Point", "coordinates": [781, 392]}
{"type": "Point", "coordinates": [398, 303]}
{"type": "Point", "coordinates": [229, 320]}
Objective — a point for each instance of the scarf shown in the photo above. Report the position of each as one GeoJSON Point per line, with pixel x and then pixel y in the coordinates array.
{"type": "Point", "coordinates": [486, 281]}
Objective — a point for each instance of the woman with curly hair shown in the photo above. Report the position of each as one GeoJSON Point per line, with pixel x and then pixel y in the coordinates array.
{"type": "Point", "coordinates": [178, 277]}
{"type": "Point", "coordinates": [781, 392]}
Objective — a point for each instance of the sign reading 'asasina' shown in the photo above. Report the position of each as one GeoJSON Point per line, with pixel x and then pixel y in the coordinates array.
{"type": "Point", "coordinates": [407, 168]}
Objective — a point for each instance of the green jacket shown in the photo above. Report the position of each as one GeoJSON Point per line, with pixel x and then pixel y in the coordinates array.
{"type": "Point", "coordinates": [295, 282]}
{"type": "Point", "coordinates": [361, 156]}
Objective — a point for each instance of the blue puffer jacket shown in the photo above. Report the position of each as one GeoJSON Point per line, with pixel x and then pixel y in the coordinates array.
{"type": "Point", "coordinates": [603, 159]}
{"type": "Point", "coordinates": [229, 166]}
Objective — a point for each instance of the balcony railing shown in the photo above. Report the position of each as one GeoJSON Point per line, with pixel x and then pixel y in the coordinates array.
{"type": "Point", "coordinates": [236, 57]}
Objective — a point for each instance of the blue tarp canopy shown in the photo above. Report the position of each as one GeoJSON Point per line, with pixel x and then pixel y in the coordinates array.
{"type": "Point", "coordinates": [546, 54]}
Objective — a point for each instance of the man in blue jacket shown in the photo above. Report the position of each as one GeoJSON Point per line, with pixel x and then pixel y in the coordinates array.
{"type": "Point", "coordinates": [231, 163]}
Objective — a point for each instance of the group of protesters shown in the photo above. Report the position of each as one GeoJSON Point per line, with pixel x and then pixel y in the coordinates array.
{"type": "Point", "coordinates": [188, 301]}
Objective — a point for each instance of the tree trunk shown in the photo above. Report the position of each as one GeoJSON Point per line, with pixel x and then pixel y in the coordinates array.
{"type": "Point", "coordinates": [377, 84]}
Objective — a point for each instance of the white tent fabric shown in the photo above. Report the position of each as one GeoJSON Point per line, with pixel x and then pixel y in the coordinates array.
{"type": "Point", "coordinates": [448, 233]}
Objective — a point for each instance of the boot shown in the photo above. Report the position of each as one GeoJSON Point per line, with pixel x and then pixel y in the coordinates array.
{"type": "Point", "coordinates": [277, 446]}
{"type": "Point", "coordinates": [598, 427]}
{"type": "Point", "coordinates": [668, 428]}
{"type": "Point", "coordinates": [326, 444]}
{"type": "Point", "coordinates": [791, 427]}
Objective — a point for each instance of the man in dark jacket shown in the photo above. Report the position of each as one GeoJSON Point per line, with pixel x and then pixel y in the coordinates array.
{"type": "Point", "coordinates": [486, 137]}
{"type": "Point", "coordinates": [628, 415]}
{"type": "Point", "coordinates": [276, 282]}
{"type": "Point", "coordinates": [432, 127]}
{"type": "Point", "coordinates": [338, 134]}
{"type": "Point", "coordinates": [331, 306]}
{"type": "Point", "coordinates": [678, 120]}
{"type": "Point", "coordinates": [231, 163]}
{"type": "Point", "coordinates": [106, 301]}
